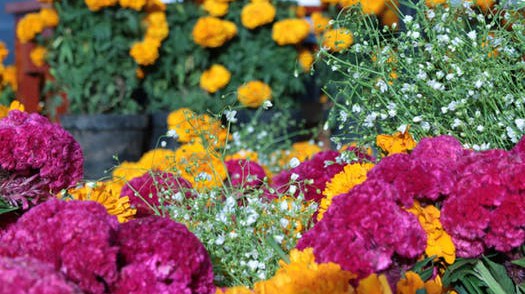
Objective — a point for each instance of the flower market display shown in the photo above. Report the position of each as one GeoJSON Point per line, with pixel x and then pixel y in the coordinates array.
{"type": "Point", "coordinates": [420, 187]}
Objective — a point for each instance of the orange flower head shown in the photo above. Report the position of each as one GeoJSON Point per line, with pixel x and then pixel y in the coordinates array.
{"type": "Point", "coordinates": [337, 40]}
{"type": "Point", "coordinates": [254, 93]}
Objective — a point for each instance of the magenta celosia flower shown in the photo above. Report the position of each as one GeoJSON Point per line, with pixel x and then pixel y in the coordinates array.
{"type": "Point", "coordinates": [162, 256]}
{"type": "Point", "coordinates": [364, 229]}
{"type": "Point", "coordinates": [76, 237]}
{"type": "Point", "coordinates": [145, 191]}
{"type": "Point", "coordinates": [28, 275]}
{"type": "Point", "coordinates": [37, 158]}
{"type": "Point", "coordinates": [312, 175]}
{"type": "Point", "coordinates": [245, 173]}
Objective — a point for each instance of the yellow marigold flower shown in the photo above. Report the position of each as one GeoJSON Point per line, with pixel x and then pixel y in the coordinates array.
{"type": "Point", "coordinates": [397, 143]}
{"type": "Point", "coordinates": [49, 17]}
{"type": "Point", "coordinates": [372, 6]}
{"type": "Point", "coordinates": [319, 22]}
{"type": "Point", "coordinates": [155, 6]}
{"type": "Point", "coordinates": [96, 5]}
{"type": "Point", "coordinates": [348, 3]}
{"type": "Point", "coordinates": [351, 176]}
{"type": "Point", "coordinates": [304, 275]}
{"type": "Point", "coordinates": [145, 52]}
{"type": "Point", "coordinates": [215, 78]}
{"type": "Point", "coordinates": [192, 127]}
{"type": "Point", "coordinates": [202, 167]}
{"type": "Point", "coordinates": [3, 52]}
{"type": "Point", "coordinates": [158, 159]}
{"type": "Point", "coordinates": [374, 284]}
{"type": "Point", "coordinates": [434, 3]}
{"type": "Point", "coordinates": [133, 4]}
{"type": "Point", "coordinates": [126, 171]}
{"type": "Point", "coordinates": [107, 194]}
{"type": "Point", "coordinates": [254, 93]}
{"type": "Point", "coordinates": [243, 154]}
{"type": "Point", "coordinates": [484, 4]}
{"type": "Point", "coordinates": [29, 26]}
{"type": "Point", "coordinates": [17, 105]}
{"type": "Point", "coordinates": [439, 242]}
{"type": "Point", "coordinates": [157, 26]}
{"type": "Point", "coordinates": [257, 14]}
{"type": "Point", "coordinates": [290, 31]}
{"type": "Point", "coordinates": [306, 59]}
{"type": "Point", "coordinates": [304, 150]}
{"type": "Point", "coordinates": [389, 17]}
{"type": "Point", "coordinates": [183, 121]}
{"type": "Point", "coordinates": [234, 290]}
{"type": "Point", "coordinates": [9, 77]}
{"type": "Point", "coordinates": [338, 39]}
{"type": "Point", "coordinates": [216, 8]}
{"type": "Point", "coordinates": [412, 282]}
{"type": "Point", "coordinates": [213, 32]}
{"type": "Point", "coordinates": [38, 55]}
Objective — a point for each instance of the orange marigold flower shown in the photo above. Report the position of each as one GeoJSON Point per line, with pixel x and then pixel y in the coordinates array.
{"type": "Point", "coordinates": [3, 51]}
{"type": "Point", "coordinates": [158, 159]}
{"type": "Point", "coordinates": [234, 290]}
{"type": "Point", "coordinates": [126, 171]}
{"type": "Point", "coordinates": [439, 242]}
{"type": "Point", "coordinates": [133, 4]}
{"type": "Point", "coordinates": [157, 26]}
{"type": "Point", "coordinates": [9, 77]}
{"type": "Point", "coordinates": [319, 22]}
{"type": "Point", "coordinates": [215, 78]}
{"type": "Point", "coordinates": [304, 275]}
{"type": "Point", "coordinates": [484, 4]}
{"type": "Point", "coordinates": [374, 284]}
{"type": "Point", "coordinates": [338, 39]}
{"type": "Point", "coordinates": [304, 150]}
{"type": "Point", "coordinates": [96, 5]}
{"type": "Point", "coordinates": [290, 31]}
{"type": "Point", "coordinates": [29, 26]}
{"type": "Point", "coordinates": [389, 17]}
{"type": "Point", "coordinates": [38, 55]}
{"type": "Point", "coordinates": [412, 282]}
{"type": "Point", "coordinates": [399, 142]}
{"type": "Point", "coordinates": [216, 8]}
{"type": "Point", "coordinates": [306, 59]}
{"type": "Point", "coordinates": [254, 93]}
{"type": "Point", "coordinates": [49, 17]}
{"type": "Point", "coordinates": [254, 15]}
{"type": "Point", "coordinates": [145, 52]}
{"type": "Point", "coordinates": [348, 3]}
{"type": "Point", "coordinates": [373, 6]}
{"type": "Point", "coordinates": [213, 32]}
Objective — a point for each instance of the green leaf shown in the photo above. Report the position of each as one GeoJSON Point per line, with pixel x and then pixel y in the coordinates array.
{"type": "Point", "coordinates": [500, 274]}
{"type": "Point", "coordinates": [485, 275]}
{"type": "Point", "coordinates": [519, 262]}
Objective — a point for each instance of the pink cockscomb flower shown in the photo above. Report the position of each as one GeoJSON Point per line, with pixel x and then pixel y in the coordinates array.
{"type": "Point", "coordinates": [162, 256]}
{"type": "Point", "coordinates": [75, 237]}
{"type": "Point", "coordinates": [37, 158]}
{"type": "Point", "coordinates": [28, 275]}
{"type": "Point", "coordinates": [245, 173]}
{"type": "Point", "coordinates": [364, 229]}
{"type": "Point", "coordinates": [145, 191]}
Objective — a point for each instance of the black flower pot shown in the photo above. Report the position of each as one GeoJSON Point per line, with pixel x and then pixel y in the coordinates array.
{"type": "Point", "coordinates": [106, 136]}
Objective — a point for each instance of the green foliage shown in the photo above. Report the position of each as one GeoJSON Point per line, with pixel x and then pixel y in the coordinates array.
{"type": "Point", "coordinates": [90, 59]}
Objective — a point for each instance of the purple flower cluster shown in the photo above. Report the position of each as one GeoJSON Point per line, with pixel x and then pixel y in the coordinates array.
{"type": "Point", "coordinates": [37, 158]}
{"type": "Point", "coordinates": [27, 275]}
{"type": "Point", "coordinates": [312, 174]}
{"type": "Point", "coordinates": [81, 242]}
{"type": "Point", "coordinates": [145, 191]}
{"type": "Point", "coordinates": [76, 237]}
{"type": "Point", "coordinates": [485, 208]}
{"type": "Point", "coordinates": [363, 229]}
{"type": "Point", "coordinates": [245, 173]}
{"type": "Point", "coordinates": [162, 256]}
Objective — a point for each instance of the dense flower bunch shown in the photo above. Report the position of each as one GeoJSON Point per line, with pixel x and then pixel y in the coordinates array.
{"type": "Point", "coordinates": [33, 24]}
{"type": "Point", "coordinates": [56, 232]}
{"type": "Point", "coordinates": [373, 228]}
{"type": "Point", "coordinates": [162, 256]}
{"type": "Point", "coordinates": [37, 158]}
{"type": "Point", "coordinates": [290, 31]}
{"type": "Point", "coordinates": [213, 32]}
{"type": "Point", "coordinates": [187, 126]}
{"type": "Point", "coordinates": [46, 249]}
{"type": "Point", "coordinates": [254, 93]}
{"type": "Point", "coordinates": [257, 14]}
{"type": "Point", "coordinates": [215, 78]}
{"type": "Point", "coordinates": [147, 52]}
{"type": "Point", "coordinates": [149, 191]}
{"type": "Point", "coordinates": [28, 275]}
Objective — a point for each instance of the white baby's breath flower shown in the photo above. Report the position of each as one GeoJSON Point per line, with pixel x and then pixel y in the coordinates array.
{"type": "Point", "coordinates": [294, 162]}
{"type": "Point", "coordinates": [267, 104]}
{"type": "Point", "coordinates": [172, 134]}
{"type": "Point", "coordinates": [294, 176]}
{"type": "Point", "coordinates": [220, 240]}
{"type": "Point", "coordinates": [230, 115]}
